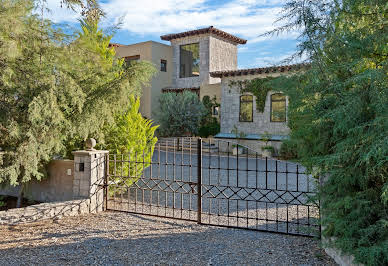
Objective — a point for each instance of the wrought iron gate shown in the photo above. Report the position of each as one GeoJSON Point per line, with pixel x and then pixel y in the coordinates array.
{"type": "Point", "coordinates": [214, 182]}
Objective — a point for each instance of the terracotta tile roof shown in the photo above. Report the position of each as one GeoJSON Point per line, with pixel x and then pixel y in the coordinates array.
{"type": "Point", "coordinates": [180, 90]}
{"type": "Point", "coordinates": [253, 71]}
{"type": "Point", "coordinates": [210, 30]}
{"type": "Point", "coordinates": [115, 45]}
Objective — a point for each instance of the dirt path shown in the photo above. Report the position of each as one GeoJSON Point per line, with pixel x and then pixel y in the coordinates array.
{"type": "Point", "coordinates": [114, 238]}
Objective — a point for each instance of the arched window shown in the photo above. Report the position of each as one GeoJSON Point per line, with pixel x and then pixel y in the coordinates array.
{"type": "Point", "coordinates": [246, 108]}
{"type": "Point", "coordinates": [278, 107]}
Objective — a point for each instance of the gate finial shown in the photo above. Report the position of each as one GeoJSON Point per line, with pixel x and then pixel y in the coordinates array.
{"type": "Point", "coordinates": [90, 144]}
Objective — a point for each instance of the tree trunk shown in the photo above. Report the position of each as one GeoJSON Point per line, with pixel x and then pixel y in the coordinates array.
{"type": "Point", "coordinates": [20, 196]}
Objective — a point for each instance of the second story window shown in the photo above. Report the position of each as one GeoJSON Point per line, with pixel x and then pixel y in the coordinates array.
{"type": "Point", "coordinates": [130, 59]}
{"type": "Point", "coordinates": [163, 65]}
{"type": "Point", "coordinates": [189, 60]}
{"type": "Point", "coordinates": [278, 107]}
{"type": "Point", "coordinates": [246, 108]}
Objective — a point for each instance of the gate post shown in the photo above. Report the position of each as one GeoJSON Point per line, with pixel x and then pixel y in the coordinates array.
{"type": "Point", "coordinates": [199, 181]}
{"type": "Point", "coordinates": [89, 176]}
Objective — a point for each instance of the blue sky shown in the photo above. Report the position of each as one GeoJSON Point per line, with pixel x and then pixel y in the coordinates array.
{"type": "Point", "coordinates": [144, 20]}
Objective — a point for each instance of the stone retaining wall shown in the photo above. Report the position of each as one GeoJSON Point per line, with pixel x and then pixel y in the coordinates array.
{"type": "Point", "coordinates": [53, 210]}
{"type": "Point", "coordinates": [83, 184]}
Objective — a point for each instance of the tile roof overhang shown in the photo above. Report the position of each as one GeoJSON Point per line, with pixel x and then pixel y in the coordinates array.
{"type": "Point", "coordinates": [210, 30]}
{"type": "Point", "coordinates": [255, 71]}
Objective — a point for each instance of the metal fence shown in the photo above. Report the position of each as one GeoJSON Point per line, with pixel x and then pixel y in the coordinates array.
{"type": "Point", "coordinates": [197, 180]}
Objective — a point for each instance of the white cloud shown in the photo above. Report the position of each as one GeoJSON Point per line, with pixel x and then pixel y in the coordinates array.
{"type": "Point", "coordinates": [245, 18]}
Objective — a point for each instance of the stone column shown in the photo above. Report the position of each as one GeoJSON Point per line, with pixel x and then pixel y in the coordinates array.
{"type": "Point", "coordinates": [89, 174]}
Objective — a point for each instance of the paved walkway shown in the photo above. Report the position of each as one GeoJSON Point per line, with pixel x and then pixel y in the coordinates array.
{"type": "Point", "coordinates": [114, 238]}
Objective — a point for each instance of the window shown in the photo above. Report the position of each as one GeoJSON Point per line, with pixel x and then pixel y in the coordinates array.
{"type": "Point", "coordinates": [189, 60]}
{"type": "Point", "coordinates": [130, 59]}
{"type": "Point", "coordinates": [246, 108]}
{"type": "Point", "coordinates": [278, 107]}
{"type": "Point", "coordinates": [163, 65]}
{"type": "Point", "coordinates": [215, 110]}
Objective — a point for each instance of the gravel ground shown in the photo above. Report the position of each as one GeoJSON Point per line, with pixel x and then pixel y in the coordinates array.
{"type": "Point", "coordinates": [114, 238]}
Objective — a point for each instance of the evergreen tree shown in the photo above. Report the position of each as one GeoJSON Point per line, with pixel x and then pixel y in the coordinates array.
{"type": "Point", "coordinates": [339, 117]}
{"type": "Point", "coordinates": [54, 88]}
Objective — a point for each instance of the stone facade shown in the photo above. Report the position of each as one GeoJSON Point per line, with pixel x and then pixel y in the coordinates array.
{"type": "Point", "coordinates": [89, 173]}
{"type": "Point", "coordinates": [52, 210]}
{"type": "Point", "coordinates": [230, 109]}
{"type": "Point", "coordinates": [215, 54]}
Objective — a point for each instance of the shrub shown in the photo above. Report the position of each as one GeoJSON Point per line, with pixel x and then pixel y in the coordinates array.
{"type": "Point", "coordinates": [209, 129]}
{"type": "Point", "coordinates": [131, 138]}
{"type": "Point", "coordinates": [209, 124]}
{"type": "Point", "coordinates": [179, 113]}
{"type": "Point", "coordinates": [288, 150]}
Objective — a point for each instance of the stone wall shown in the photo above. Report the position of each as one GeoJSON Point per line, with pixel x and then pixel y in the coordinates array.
{"type": "Point", "coordinates": [53, 210]}
{"type": "Point", "coordinates": [215, 54]}
{"type": "Point", "coordinates": [86, 189]}
{"type": "Point", "coordinates": [230, 110]}
{"type": "Point", "coordinates": [223, 56]}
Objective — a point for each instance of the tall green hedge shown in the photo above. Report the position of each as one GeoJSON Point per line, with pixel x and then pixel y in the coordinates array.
{"type": "Point", "coordinates": [338, 117]}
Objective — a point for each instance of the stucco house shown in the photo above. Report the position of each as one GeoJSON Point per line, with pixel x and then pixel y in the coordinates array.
{"type": "Point", "coordinates": [205, 61]}
{"type": "Point", "coordinates": [161, 56]}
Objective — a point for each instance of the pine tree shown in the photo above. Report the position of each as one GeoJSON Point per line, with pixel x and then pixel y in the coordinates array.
{"type": "Point", "coordinates": [339, 117]}
{"type": "Point", "coordinates": [55, 88]}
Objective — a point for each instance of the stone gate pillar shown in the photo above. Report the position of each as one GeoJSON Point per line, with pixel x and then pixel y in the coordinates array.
{"type": "Point", "coordinates": [89, 174]}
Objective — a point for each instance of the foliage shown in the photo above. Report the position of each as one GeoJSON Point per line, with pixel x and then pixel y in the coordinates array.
{"type": "Point", "coordinates": [131, 139]}
{"type": "Point", "coordinates": [209, 124]}
{"type": "Point", "coordinates": [180, 113]}
{"type": "Point", "coordinates": [54, 88]}
{"type": "Point", "coordinates": [259, 87]}
{"type": "Point", "coordinates": [339, 117]}
{"type": "Point", "coordinates": [288, 150]}
{"type": "Point", "coordinates": [209, 129]}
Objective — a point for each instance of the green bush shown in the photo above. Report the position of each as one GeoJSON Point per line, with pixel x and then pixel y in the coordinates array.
{"type": "Point", "coordinates": [288, 150]}
{"type": "Point", "coordinates": [179, 113]}
{"type": "Point", "coordinates": [209, 129]}
{"type": "Point", "coordinates": [209, 124]}
{"type": "Point", "coordinates": [132, 139]}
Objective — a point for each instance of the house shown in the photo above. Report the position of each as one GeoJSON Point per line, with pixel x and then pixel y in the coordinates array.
{"type": "Point", "coordinates": [204, 61]}
{"type": "Point", "coordinates": [189, 60]}
{"type": "Point", "coordinates": [239, 110]}
{"type": "Point", "coordinates": [161, 56]}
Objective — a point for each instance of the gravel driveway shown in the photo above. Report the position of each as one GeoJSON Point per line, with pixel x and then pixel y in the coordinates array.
{"type": "Point", "coordinates": [114, 238]}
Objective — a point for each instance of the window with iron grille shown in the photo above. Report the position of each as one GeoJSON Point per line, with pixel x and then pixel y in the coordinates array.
{"type": "Point", "coordinates": [278, 107]}
{"type": "Point", "coordinates": [163, 65]}
{"type": "Point", "coordinates": [246, 108]}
